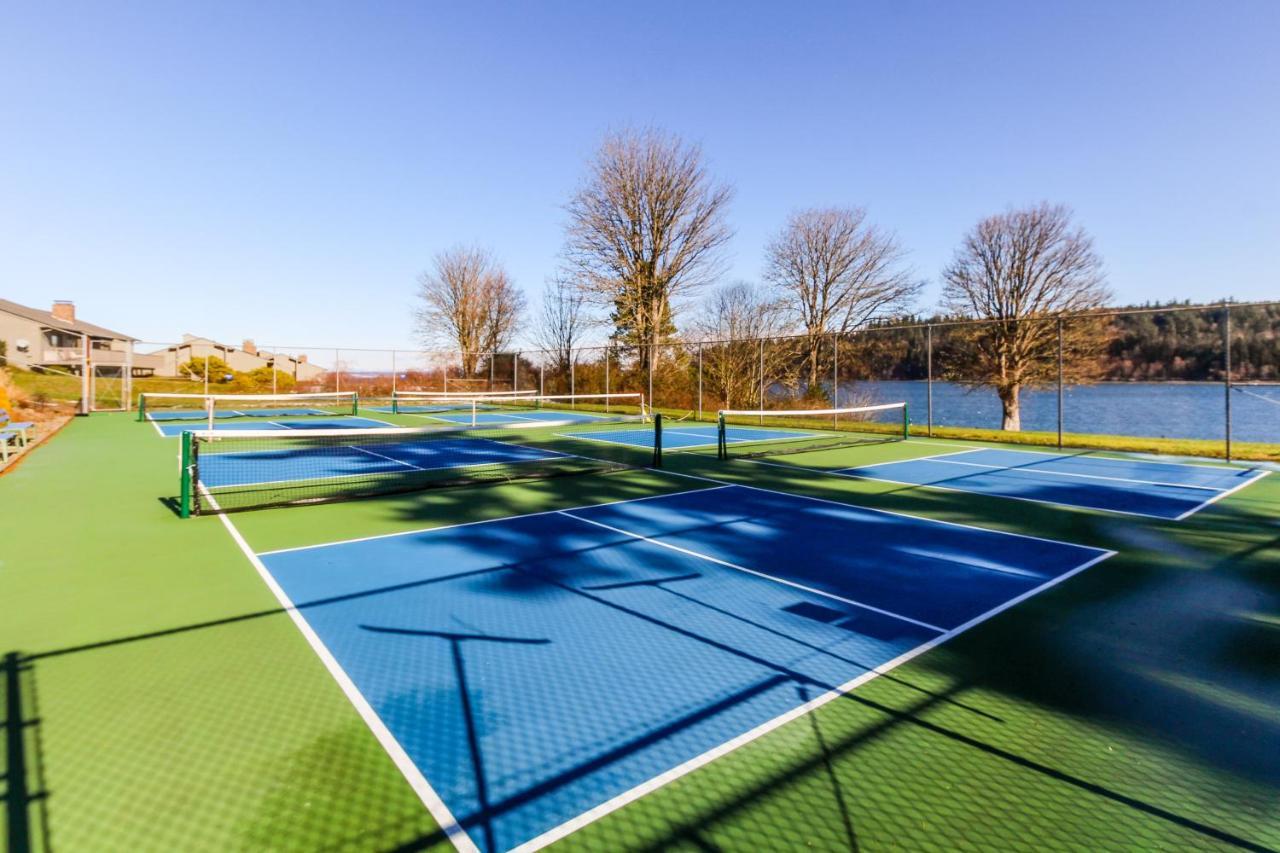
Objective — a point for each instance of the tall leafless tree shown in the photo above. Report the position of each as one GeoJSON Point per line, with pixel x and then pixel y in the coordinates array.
{"type": "Point", "coordinates": [562, 323]}
{"type": "Point", "coordinates": [838, 272]}
{"type": "Point", "coordinates": [733, 321]}
{"type": "Point", "coordinates": [646, 227]}
{"type": "Point", "coordinates": [470, 302]}
{"type": "Point", "coordinates": [1020, 269]}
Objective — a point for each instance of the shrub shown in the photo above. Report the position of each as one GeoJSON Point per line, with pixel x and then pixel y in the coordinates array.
{"type": "Point", "coordinates": [219, 370]}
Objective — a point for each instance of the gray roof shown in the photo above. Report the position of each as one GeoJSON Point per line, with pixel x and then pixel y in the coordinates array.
{"type": "Point", "coordinates": [46, 318]}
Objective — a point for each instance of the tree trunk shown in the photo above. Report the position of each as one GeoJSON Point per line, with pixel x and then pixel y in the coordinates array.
{"type": "Point", "coordinates": [815, 352]}
{"type": "Point", "coordinates": [1011, 415]}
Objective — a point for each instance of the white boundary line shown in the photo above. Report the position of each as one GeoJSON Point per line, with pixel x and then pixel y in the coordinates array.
{"type": "Point", "coordinates": [878, 511]}
{"type": "Point", "coordinates": [841, 473]}
{"type": "Point", "coordinates": [759, 574]}
{"type": "Point", "coordinates": [440, 811]}
{"type": "Point", "coordinates": [487, 521]}
{"type": "Point", "coordinates": [1127, 457]}
{"type": "Point", "coordinates": [426, 794]}
{"type": "Point", "coordinates": [1260, 473]}
{"type": "Point", "coordinates": [680, 770]}
{"type": "Point", "coordinates": [942, 457]}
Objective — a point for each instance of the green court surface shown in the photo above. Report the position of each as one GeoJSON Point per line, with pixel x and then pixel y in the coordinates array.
{"type": "Point", "coordinates": [157, 695]}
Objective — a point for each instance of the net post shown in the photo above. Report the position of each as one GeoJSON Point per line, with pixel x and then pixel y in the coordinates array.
{"type": "Point", "coordinates": [184, 488]}
{"type": "Point", "coordinates": [1060, 374]}
{"type": "Point", "coordinates": [657, 440]}
{"type": "Point", "coordinates": [906, 421]}
{"type": "Point", "coordinates": [722, 443]}
{"type": "Point", "coordinates": [928, 348]}
{"type": "Point", "coordinates": [355, 403]}
{"type": "Point", "coordinates": [1226, 378]}
{"type": "Point", "coordinates": [142, 407]}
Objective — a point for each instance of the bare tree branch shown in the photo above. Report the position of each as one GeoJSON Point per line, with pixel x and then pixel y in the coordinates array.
{"type": "Point", "coordinates": [737, 316]}
{"type": "Point", "coordinates": [646, 228]}
{"type": "Point", "coordinates": [1022, 268]}
{"type": "Point", "coordinates": [470, 302]}
{"type": "Point", "coordinates": [563, 321]}
{"type": "Point", "coordinates": [838, 273]}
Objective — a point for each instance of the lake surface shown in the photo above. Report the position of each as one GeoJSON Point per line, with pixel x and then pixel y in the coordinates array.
{"type": "Point", "coordinates": [1152, 409]}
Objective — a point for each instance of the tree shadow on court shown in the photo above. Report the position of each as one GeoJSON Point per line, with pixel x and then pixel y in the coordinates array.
{"type": "Point", "coordinates": [1093, 657]}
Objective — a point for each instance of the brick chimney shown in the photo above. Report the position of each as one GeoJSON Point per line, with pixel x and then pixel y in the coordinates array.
{"type": "Point", "coordinates": [249, 347]}
{"type": "Point", "coordinates": [64, 310]}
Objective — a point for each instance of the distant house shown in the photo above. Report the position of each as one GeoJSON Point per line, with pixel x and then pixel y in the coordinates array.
{"type": "Point", "coordinates": [55, 339]}
{"type": "Point", "coordinates": [242, 359]}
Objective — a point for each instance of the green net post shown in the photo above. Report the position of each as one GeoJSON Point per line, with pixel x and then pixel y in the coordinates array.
{"type": "Point", "coordinates": [142, 407]}
{"type": "Point", "coordinates": [906, 423]}
{"type": "Point", "coordinates": [184, 489]}
{"type": "Point", "coordinates": [657, 440]}
{"type": "Point", "coordinates": [722, 444]}
{"type": "Point", "coordinates": [355, 404]}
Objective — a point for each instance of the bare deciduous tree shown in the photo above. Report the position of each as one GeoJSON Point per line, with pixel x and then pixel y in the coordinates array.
{"type": "Point", "coordinates": [563, 321]}
{"type": "Point", "coordinates": [470, 302]}
{"type": "Point", "coordinates": [646, 227]}
{"type": "Point", "coordinates": [733, 319]}
{"type": "Point", "coordinates": [1020, 269]}
{"type": "Point", "coordinates": [838, 272]}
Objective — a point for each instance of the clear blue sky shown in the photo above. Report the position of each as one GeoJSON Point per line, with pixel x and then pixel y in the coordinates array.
{"type": "Point", "coordinates": [283, 171]}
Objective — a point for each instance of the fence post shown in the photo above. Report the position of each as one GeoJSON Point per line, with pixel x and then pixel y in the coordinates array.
{"type": "Point", "coordinates": [1227, 379]}
{"type": "Point", "coordinates": [492, 357]}
{"type": "Point", "coordinates": [653, 353]}
{"type": "Point", "coordinates": [928, 373]}
{"type": "Point", "coordinates": [515, 372]}
{"type": "Point", "coordinates": [606, 369]}
{"type": "Point", "coordinates": [393, 373]}
{"type": "Point", "coordinates": [762, 381]}
{"type": "Point", "coordinates": [542, 377]}
{"type": "Point", "coordinates": [337, 370]}
{"type": "Point", "coordinates": [699, 380]}
{"type": "Point", "coordinates": [1059, 383]}
{"type": "Point", "coordinates": [835, 378]}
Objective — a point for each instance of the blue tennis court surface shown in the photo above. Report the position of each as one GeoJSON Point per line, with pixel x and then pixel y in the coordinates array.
{"type": "Point", "coordinates": [283, 465]}
{"type": "Point", "coordinates": [501, 656]}
{"type": "Point", "coordinates": [678, 436]}
{"type": "Point", "coordinates": [331, 422]}
{"type": "Point", "coordinates": [1168, 490]}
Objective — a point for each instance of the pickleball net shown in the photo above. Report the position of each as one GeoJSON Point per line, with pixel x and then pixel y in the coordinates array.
{"type": "Point", "coordinates": [230, 470]}
{"type": "Point", "coordinates": [155, 406]}
{"type": "Point", "coordinates": [751, 433]}
{"type": "Point", "coordinates": [476, 409]}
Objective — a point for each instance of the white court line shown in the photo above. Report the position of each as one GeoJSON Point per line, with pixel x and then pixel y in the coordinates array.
{"type": "Point", "coordinates": [764, 575]}
{"type": "Point", "coordinates": [684, 769]}
{"type": "Point", "coordinates": [861, 508]}
{"type": "Point", "coordinates": [426, 794]}
{"type": "Point", "coordinates": [1065, 453]}
{"type": "Point", "coordinates": [488, 521]}
{"type": "Point", "coordinates": [388, 458]}
{"type": "Point", "coordinates": [573, 437]}
{"type": "Point", "coordinates": [1035, 470]}
{"type": "Point", "coordinates": [1259, 475]}
{"type": "Point", "coordinates": [956, 489]}
{"type": "Point", "coordinates": [436, 806]}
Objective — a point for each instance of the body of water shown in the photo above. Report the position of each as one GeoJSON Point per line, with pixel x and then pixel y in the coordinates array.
{"type": "Point", "coordinates": [1150, 409]}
